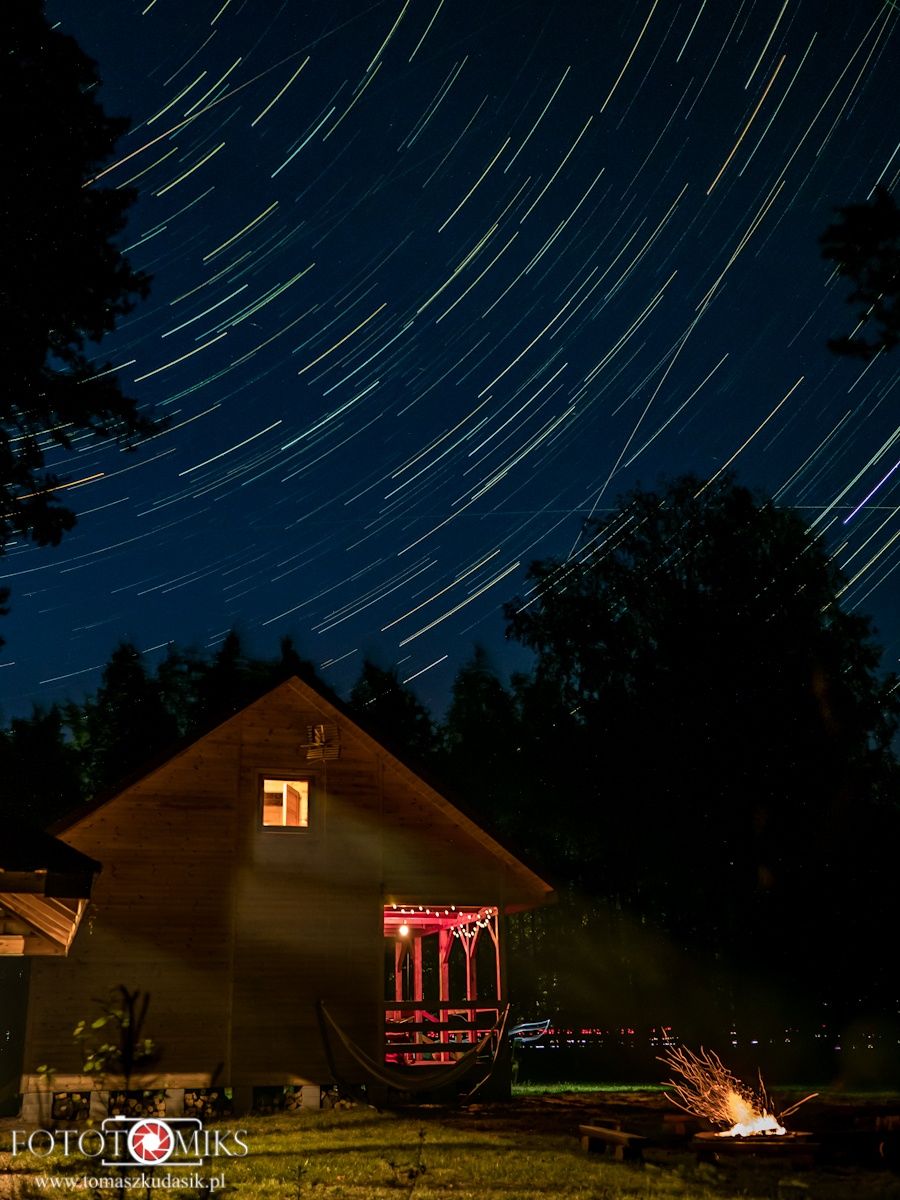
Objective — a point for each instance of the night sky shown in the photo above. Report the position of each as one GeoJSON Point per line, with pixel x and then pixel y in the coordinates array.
{"type": "Point", "coordinates": [434, 280]}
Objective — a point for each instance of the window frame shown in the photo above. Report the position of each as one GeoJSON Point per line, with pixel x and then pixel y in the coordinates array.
{"type": "Point", "coordinates": [282, 776]}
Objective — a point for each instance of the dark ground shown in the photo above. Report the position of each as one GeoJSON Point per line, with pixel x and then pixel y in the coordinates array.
{"type": "Point", "coordinates": [851, 1130]}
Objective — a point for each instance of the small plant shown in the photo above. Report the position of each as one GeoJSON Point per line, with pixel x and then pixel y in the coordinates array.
{"type": "Point", "coordinates": [113, 1043]}
{"type": "Point", "coordinates": [406, 1175]}
{"type": "Point", "coordinates": [302, 1171]}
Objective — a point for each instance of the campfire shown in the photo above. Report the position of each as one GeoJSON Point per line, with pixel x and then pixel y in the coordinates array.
{"type": "Point", "coordinates": [704, 1087]}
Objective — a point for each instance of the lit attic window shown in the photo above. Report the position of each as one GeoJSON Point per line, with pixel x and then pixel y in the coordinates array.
{"type": "Point", "coordinates": [285, 803]}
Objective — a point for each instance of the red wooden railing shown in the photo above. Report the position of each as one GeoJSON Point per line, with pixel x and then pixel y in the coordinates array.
{"type": "Point", "coordinates": [419, 1033]}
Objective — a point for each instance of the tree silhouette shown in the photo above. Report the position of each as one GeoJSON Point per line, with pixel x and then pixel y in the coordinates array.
{"type": "Point", "coordinates": [56, 759]}
{"type": "Point", "coordinates": [724, 735]}
{"type": "Point", "coordinates": [226, 683]}
{"type": "Point", "coordinates": [393, 713]}
{"type": "Point", "coordinates": [486, 752]}
{"type": "Point", "coordinates": [39, 768]}
{"type": "Point", "coordinates": [123, 726]}
{"type": "Point", "coordinates": [865, 244]}
{"type": "Point", "coordinates": [63, 280]}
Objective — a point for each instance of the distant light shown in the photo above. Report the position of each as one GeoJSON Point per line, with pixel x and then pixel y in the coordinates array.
{"type": "Point", "coordinates": [403, 931]}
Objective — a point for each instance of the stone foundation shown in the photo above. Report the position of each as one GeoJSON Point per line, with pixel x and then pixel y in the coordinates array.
{"type": "Point", "coordinates": [76, 1100]}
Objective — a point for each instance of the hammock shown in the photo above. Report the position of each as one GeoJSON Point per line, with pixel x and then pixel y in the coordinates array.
{"type": "Point", "coordinates": [397, 1078]}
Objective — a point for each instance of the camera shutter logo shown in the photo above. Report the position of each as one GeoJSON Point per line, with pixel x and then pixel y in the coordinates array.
{"type": "Point", "coordinates": [151, 1142]}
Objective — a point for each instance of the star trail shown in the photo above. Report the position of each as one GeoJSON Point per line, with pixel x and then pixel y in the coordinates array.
{"type": "Point", "coordinates": [435, 282]}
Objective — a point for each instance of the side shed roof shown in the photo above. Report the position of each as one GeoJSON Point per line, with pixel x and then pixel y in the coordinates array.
{"type": "Point", "coordinates": [44, 889]}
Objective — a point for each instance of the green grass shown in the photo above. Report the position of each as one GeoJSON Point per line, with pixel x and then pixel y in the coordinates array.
{"type": "Point", "coordinates": [482, 1154]}
{"type": "Point", "coordinates": [563, 1088]}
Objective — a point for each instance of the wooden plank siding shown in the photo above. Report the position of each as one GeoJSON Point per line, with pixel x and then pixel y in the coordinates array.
{"type": "Point", "coordinates": [236, 930]}
{"type": "Point", "coordinates": [160, 915]}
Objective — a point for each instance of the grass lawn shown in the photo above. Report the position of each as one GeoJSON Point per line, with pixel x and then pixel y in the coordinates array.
{"type": "Point", "coordinates": [546, 1089]}
{"type": "Point", "coordinates": [528, 1149]}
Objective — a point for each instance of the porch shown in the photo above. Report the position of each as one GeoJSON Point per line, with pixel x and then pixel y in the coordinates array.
{"type": "Point", "coordinates": [444, 983]}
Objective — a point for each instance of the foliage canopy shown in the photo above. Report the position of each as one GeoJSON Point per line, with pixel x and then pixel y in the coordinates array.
{"type": "Point", "coordinates": [718, 727]}
{"type": "Point", "coordinates": [63, 279]}
{"type": "Point", "coordinates": [865, 245]}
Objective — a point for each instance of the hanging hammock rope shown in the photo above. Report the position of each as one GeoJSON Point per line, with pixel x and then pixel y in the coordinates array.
{"type": "Point", "coordinates": [399, 1079]}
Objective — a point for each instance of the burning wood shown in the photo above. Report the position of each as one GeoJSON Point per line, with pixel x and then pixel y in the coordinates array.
{"type": "Point", "coordinates": [708, 1089]}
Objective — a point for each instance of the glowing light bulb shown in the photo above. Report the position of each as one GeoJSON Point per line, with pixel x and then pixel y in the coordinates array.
{"type": "Point", "coordinates": [403, 930]}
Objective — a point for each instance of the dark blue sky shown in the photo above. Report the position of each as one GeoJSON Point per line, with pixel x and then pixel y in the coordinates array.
{"type": "Point", "coordinates": [433, 281]}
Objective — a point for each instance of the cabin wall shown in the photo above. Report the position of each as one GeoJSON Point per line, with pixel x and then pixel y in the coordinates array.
{"type": "Point", "coordinates": [308, 904]}
{"type": "Point", "coordinates": [160, 917]}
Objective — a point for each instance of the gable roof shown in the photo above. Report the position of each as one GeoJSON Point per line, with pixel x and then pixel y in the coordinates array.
{"type": "Point", "coordinates": [334, 710]}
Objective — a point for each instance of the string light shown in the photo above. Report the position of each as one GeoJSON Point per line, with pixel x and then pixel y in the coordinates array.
{"type": "Point", "coordinates": [468, 922]}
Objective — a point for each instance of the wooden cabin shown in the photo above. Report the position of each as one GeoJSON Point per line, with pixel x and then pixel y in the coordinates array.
{"type": "Point", "coordinates": [282, 861]}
